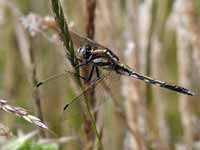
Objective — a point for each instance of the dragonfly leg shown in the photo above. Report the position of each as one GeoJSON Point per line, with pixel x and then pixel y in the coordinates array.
{"type": "Point", "coordinates": [91, 73]}
{"type": "Point", "coordinates": [82, 64]}
{"type": "Point", "coordinates": [97, 73]}
{"type": "Point", "coordinates": [57, 76]}
{"type": "Point", "coordinates": [80, 76]}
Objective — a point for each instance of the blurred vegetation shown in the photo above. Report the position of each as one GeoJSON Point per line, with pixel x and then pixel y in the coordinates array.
{"type": "Point", "coordinates": [148, 25]}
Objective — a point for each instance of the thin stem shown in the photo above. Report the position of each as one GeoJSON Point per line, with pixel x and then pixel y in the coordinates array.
{"type": "Point", "coordinates": [184, 57]}
{"type": "Point", "coordinates": [90, 26]}
{"type": "Point", "coordinates": [100, 146]}
{"type": "Point", "coordinates": [66, 37]}
{"type": "Point", "coordinates": [134, 105]}
{"type": "Point", "coordinates": [30, 65]}
{"type": "Point", "coordinates": [64, 31]}
{"type": "Point", "coordinates": [90, 95]}
{"type": "Point", "coordinates": [36, 91]}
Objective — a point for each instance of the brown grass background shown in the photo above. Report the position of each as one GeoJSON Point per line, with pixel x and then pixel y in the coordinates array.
{"type": "Point", "coordinates": [158, 38]}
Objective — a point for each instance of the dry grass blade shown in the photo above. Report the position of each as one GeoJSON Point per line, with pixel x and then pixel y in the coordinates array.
{"type": "Point", "coordinates": [21, 112]}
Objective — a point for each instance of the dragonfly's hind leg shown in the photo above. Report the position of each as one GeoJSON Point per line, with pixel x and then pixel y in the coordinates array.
{"type": "Point", "coordinates": [97, 73]}
{"type": "Point", "coordinates": [91, 73]}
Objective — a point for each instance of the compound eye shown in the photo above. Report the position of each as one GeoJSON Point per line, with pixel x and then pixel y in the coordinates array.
{"type": "Point", "coordinates": [85, 51]}
{"type": "Point", "coordinates": [79, 50]}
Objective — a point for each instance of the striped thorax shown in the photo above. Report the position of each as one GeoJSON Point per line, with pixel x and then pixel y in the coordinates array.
{"type": "Point", "coordinates": [99, 57]}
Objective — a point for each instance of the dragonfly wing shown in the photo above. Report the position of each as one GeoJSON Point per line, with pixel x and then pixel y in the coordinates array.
{"type": "Point", "coordinates": [109, 96]}
{"type": "Point", "coordinates": [72, 117]}
{"type": "Point", "coordinates": [103, 88]}
{"type": "Point", "coordinates": [80, 41]}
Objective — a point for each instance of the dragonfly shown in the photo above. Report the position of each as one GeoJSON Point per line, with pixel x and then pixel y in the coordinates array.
{"type": "Point", "coordinates": [99, 56]}
{"type": "Point", "coordinates": [106, 59]}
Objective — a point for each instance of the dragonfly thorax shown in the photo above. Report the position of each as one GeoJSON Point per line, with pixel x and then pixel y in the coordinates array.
{"type": "Point", "coordinates": [98, 56]}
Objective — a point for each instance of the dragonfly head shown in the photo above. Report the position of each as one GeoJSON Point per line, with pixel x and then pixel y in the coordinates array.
{"type": "Point", "coordinates": [85, 51]}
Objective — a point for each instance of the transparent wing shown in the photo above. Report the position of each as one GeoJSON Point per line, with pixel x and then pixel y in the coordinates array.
{"type": "Point", "coordinates": [80, 41]}
{"type": "Point", "coordinates": [75, 108]}
{"type": "Point", "coordinates": [74, 115]}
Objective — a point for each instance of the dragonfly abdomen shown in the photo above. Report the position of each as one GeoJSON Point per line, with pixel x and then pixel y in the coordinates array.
{"type": "Point", "coordinates": [122, 69]}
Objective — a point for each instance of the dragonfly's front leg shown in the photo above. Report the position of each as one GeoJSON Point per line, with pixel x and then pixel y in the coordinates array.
{"type": "Point", "coordinates": [87, 61]}
{"type": "Point", "coordinates": [82, 64]}
{"type": "Point", "coordinates": [91, 72]}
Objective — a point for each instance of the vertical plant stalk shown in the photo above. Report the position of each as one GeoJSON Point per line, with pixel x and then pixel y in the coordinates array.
{"type": "Point", "coordinates": [27, 59]}
{"type": "Point", "coordinates": [157, 63]}
{"type": "Point", "coordinates": [193, 29]}
{"type": "Point", "coordinates": [132, 92]}
{"type": "Point", "coordinates": [66, 38]}
{"type": "Point", "coordinates": [30, 66]}
{"type": "Point", "coordinates": [90, 26]}
{"type": "Point", "coordinates": [181, 10]}
{"type": "Point", "coordinates": [36, 91]}
{"type": "Point", "coordinates": [146, 21]}
{"type": "Point", "coordinates": [12, 74]}
{"type": "Point", "coordinates": [85, 71]}
{"type": "Point", "coordinates": [64, 31]}
{"type": "Point", "coordinates": [184, 104]}
{"type": "Point", "coordinates": [157, 57]}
